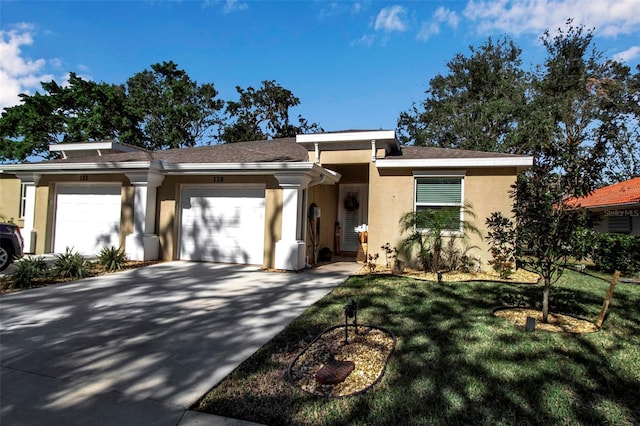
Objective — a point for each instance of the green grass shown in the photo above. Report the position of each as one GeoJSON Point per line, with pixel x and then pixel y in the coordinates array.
{"type": "Point", "coordinates": [456, 363]}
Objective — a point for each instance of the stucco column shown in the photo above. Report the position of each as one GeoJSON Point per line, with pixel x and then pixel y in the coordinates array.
{"type": "Point", "coordinates": [28, 231]}
{"type": "Point", "coordinates": [291, 249]}
{"type": "Point", "coordinates": [143, 244]}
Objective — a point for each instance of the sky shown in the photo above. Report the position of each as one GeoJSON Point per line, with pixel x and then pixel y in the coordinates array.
{"type": "Point", "coordinates": [354, 65]}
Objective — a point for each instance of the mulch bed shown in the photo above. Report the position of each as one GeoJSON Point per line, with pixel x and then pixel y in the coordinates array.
{"type": "Point", "coordinates": [369, 350]}
{"type": "Point", "coordinates": [520, 276]}
{"type": "Point", "coordinates": [95, 270]}
{"type": "Point", "coordinates": [556, 322]}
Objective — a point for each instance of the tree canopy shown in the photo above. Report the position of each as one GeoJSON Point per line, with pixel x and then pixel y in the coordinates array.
{"type": "Point", "coordinates": [157, 108]}
{"type": "Point", "coordinates": [568, 129]}
{"type": "Point", "coordinates": [488, 102]}
{"type": "Point", "coordinates": [476, 106]}
{"type": "Point", "coordinates": [263, 114]}
{"type": "Point", "coordinates": [79, 111]}
{"type": "Point", "coordinates": [174, 110]}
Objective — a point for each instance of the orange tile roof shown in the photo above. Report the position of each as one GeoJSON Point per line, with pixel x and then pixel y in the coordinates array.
{"type": "Point", "coordinates": [627, 192]}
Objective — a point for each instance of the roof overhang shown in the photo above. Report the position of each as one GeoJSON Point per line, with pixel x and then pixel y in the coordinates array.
{"type": "Point", "coordinates": [620, 206]}
{"type": "Point", "coordinates": [315, 171]}
{"type": "Point", "coordinates": [70, 150]}
{"type": "Point", "coordinates": [383, 139]}
{"type": "Point", "coordinates": [59, 168]}
{"type": "Point", "coordinates": [520, 162]}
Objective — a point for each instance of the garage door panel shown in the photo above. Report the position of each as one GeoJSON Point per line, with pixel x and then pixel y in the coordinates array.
{"type": "Point", "coordinates": [222, 225]}
{"type": "Point", "coordinates": [87, 218]}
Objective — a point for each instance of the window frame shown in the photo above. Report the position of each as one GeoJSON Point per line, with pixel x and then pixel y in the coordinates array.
{"type": "Point", "coordinates": [23, 201]}
{"type": "Point", "coordinates": [445, 174]}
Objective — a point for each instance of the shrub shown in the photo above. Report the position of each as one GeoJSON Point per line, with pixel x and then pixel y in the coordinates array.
{"type": "Point", "coordinates": [427, 231]}
{"type": "Point", "coordinates": [389, 253]}
{"type": "Point", "coordinates": [372, 260]}
{"type": "Point", "coordinates": [502, 239]}
{"type": "Point", "coordinates": [616, 252]}
{"type": "Point", "coordinates": [456, 258]}
{"type": "Point", "coordinates": [27, 270]}
{"type": "Point", "coordinates": [71, 265]}
{"type": "Point", "coordinates": [112, 258]}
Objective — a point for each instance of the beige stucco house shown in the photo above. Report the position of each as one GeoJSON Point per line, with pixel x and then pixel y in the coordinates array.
{"type": "Point", "coordinates": [247, 202]}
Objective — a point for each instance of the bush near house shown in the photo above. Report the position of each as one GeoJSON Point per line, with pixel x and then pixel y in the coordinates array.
{"type": "Point", "coordinates": [112, 258]}
{"type": "Point", "coordinates": [616, 252]}
{"type": "Point", "coordinates": [28, 270]}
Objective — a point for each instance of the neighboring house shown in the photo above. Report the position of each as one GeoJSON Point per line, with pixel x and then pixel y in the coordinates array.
{"type": "Point", "coordinates": [616, 206]}
{"type": "Point", "coordinates": [247, 202]}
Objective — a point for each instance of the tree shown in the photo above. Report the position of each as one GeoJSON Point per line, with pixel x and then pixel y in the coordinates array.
{"type": "Point", "coordinates": [262, 114]}
{"type": "Point", "coordinates": [78, 111]}
{"type": "Point", "coordinates": [621, 119]}
{"type": "Point", "coordinates": [476, 106]}
{"type": "Point", "coordinates": [428, 229]}
{"type": "Point", "coordinates": [564, 128]}
{"type": "Point", "coordinates": [175, 110]}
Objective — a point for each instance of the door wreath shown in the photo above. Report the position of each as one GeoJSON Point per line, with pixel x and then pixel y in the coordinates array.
{"type": "Point", "coordinates": [351, 203]}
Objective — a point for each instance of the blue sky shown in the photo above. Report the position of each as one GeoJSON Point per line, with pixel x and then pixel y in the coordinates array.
{"type": "Point", "coordinates": [353, 64]}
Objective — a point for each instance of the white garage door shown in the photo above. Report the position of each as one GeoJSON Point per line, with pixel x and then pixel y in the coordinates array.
{"type": "Point", "coordinates": [87, 217]}
{"type": "Point", "coordinates": [222, 224]}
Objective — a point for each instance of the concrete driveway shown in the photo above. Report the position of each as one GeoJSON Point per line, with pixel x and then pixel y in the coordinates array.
{"type": "Point", "coordinates": [141, 346]}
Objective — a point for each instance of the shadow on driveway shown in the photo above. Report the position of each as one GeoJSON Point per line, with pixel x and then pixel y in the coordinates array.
{"type": "Point", "coordinates": [139, 347]}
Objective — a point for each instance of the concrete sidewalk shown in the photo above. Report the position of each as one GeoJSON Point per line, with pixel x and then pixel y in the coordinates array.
{"type": "Point", "coordinates": [140, 347]}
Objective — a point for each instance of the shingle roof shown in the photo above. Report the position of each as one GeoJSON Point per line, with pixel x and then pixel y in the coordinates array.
{"type": "Point", "coordinates": [627, 192]}
{"type": "Point", "coordinates": [424, 152]}
{"type": "Point", "coordinates": [276, 150]}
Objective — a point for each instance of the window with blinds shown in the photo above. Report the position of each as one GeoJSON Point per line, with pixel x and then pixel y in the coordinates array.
{"type": "Point", "coordinates": [440, 193]}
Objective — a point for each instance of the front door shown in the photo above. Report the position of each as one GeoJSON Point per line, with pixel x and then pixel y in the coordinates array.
{"type": "Point", "coordinates": [352, 212]}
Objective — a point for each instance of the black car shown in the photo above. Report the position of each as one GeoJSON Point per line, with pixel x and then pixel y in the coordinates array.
{"type": "Point", "coordinates": [11, 244]}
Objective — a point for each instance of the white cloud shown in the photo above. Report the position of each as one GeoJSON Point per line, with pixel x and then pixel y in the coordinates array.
{"type": "Point", "coordinates": [628, 55]}
{"type": "Point", "coordinates": [433, 26]}
{"type": "Point", "coordinates": [234, 6]}
{"type": "Point", "coordinates": [18, 74]}
{"type": "Point", "coordinates": [391, 19]}
{"type": "Point", "coordinates": [365, 40]}
{"type": "Point", "coordinates": [608, 17]}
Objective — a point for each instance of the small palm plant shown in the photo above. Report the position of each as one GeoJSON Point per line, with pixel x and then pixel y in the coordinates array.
{"type": "Point", "coordinates": [71, 264]}
{"type": "Point", "coordinates": [112, 258]}
{"type": "Point", "coordinates": [429, 228]}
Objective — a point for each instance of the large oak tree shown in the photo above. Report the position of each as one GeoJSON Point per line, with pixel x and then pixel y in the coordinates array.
{"type": "Point", "coordinates": [477, 105]}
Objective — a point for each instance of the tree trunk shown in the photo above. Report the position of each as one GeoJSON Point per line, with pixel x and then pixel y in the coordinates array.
{"type": "Point", "coordinates": [545, 299]}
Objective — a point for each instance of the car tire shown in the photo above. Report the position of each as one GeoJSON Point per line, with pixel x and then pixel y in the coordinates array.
{"type": "Point", "coordinates": [5, 258]}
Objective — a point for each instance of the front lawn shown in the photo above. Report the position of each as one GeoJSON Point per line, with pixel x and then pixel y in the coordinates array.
{"type": "Point", "coordinates": [454, 361]}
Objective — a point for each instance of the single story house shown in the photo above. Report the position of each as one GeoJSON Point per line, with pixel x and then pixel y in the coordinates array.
{"type": "Point", "coordinates": [616, 206]}
{"type": "Point", "coordinates": [248, 202]}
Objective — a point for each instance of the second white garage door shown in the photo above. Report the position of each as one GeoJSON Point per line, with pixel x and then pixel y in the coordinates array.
{"type": "Point", "coordinates": [222, 224]}
{"type": "Point", "coordinates": [87, 217]}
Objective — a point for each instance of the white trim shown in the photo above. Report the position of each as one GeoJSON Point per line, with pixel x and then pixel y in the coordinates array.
{"type": "Point", "coordinates": [63, 168]}
{"type": "Point", "coordinates": [167, 168]}
{"type": "Point", "coordinates": [439, 173]}
{"type": "Point", "coordinates": [456, 162]}
{"type": "Point", "coordinates": [91, 146]}
{"type": "Point", "coordinates": [346, 136]}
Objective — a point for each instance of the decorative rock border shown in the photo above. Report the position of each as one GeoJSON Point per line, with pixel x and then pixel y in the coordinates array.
{"type": "Point", "coordinates": [369, 350]}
